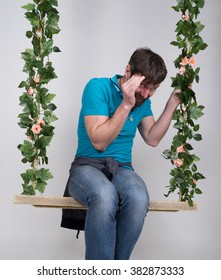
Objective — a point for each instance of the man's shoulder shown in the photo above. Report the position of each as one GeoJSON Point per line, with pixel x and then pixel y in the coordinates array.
{"type": "Point", "coordinates": [99, 80]}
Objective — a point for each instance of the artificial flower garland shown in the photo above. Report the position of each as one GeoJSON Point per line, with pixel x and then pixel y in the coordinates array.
{"type": "Point", "coordinates": [38, 109]}
{"type": "Point", "coordinates": [185, 175]}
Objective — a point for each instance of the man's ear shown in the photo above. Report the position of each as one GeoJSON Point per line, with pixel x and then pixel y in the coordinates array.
{"type": "Point", "coordinates": [127, 71]}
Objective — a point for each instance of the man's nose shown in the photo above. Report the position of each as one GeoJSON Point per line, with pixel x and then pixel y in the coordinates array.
{"type": "Point", "coordinates": [146, 93]}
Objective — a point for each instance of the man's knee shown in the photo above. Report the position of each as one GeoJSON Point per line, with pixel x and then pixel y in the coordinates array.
{"type": "Point", "coordinates": [105, 198]}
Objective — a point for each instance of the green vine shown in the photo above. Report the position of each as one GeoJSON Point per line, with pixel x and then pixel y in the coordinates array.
{"type": "Point", "coordinates": [185, 175]}
{"type": "Point", "coordinates": [38, 109]}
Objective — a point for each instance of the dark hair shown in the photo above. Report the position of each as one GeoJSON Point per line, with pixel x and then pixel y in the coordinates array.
{"type": "Point", "coordinates": [149, 64]}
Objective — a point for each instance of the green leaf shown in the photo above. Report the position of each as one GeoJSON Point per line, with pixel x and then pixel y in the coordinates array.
{"type": "Point", "coordinates": [29, 34]}
{"type": "Point", "coordinates": [27, 149]}
{"type": "Point", "coordinates": [29, 7]}
{"type": "Point", "coordinates": [200, 3]}
{"type": "Point", "coordinates": [28, 190]}
{"type": "Point", "coordinates": [197, 137]}
{"type": "Point", "coordinates": [40, 186]}
{"type": "Point", "coordinates": [174, 43]}
{"type": "Point", "coordinates": [188, 147]}
{"type": "Point", "coordinates": [48, 130]}
{"type": "Point", "coordinates": [28, 176]}
{"type": "Point", "coordinates": [47, 47]}
{"type": "Point", "coordinates": [195, 158]}
{"type": "Point", "coordinates": [196, 112]}
{"type": "Point", "coordinates": [196, 127]}
{"type": "Point", "coordinates": [56, 49]}
{"type": "Point", "coordinates": [52, 107]}
{"type": "Point", "coordinates": [167, 154]}
{"type": "Point", "coordinates": [194, 167]}
{"type": "Point", "coordinates": [33, 17]}
{"type": "Point", "coordinates": [49, 97]}
{"type": "Point", "coordinates": [49, 117]}
{"type": "Point", "coordinates": [198, 176]}
{"type": "Point", "coordinates": [43, 174]}
{"type": "Point", "coordinates": [198, 191]}
{"type": "Point", "coordinates": [199, 27]}
{"type": "Point", "coordinates": [54, 3]}
{"type": "Point", "coordinates": [22, 84]}
{"type": "Point", "coordinates": [175, 8]}
{"type": "Point", "coordinates": [203, 46]}
{"type": "Point", "coordinates": [43, 141]}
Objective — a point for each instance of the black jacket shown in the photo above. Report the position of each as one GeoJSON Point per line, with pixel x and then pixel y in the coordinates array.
{"type": "Point", "coordinates": [75, 218]}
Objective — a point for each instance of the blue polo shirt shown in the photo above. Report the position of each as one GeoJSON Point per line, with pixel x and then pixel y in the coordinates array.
{"type": "Point", "coordinates": [102, 96]}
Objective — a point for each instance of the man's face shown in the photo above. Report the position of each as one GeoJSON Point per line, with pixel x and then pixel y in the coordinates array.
{"type": "Point", "coordinates": [144, 91]}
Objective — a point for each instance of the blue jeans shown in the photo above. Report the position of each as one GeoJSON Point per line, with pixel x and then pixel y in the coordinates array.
{"type": "Point", "coordinates": [116, 210]}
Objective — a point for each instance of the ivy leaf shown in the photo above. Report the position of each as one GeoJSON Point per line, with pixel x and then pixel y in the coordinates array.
{"type": "Point", "coordinates": [22, 84]}
{"type": "Point", "coordinates": [194, 167]}
{"type": "Point", "coordinates": [197, 137]}
{"type": "Point", "coordinates": [201, 3]}
{"type": "Point", "coordinates": [199, 26]}
{"type": "Point", "coordinates": [167, 154]}
{"type": "Point", "coordinates": [196, 112]}
{"type": "Point", "coordinates": [54, 2]}
{"type": "Point", "coordinates": [203, 46]}
{"type": "Point", "coordinates": [188, 147]}
{"type": "Point", "coordinates": [196, 127]}
{"type": "Point", "coordinates": [43, 174]}
{"type": "Point", "coordinates": [29, 7]}
{"type": "Point", "coordinates": [43, 142]}
{"type": "Point", "coordinates": [56, 49]}
{"type": "Point", "coordinates": [40, 186]}
{"type": "Point", "coordinates": [28, 190]}
{"type": "Point", "coordinates": [47, 47]}
{"type": "Point", "coordinates": [28, 176]}
{"type": "Point", "coordinates": [27, 149]}
{"type": "Point", "coordinates": [198, 191]}
{"type": "Point", "coordinates": [198, 176]}
{"type": "Point", "coordinates": [29, 34]}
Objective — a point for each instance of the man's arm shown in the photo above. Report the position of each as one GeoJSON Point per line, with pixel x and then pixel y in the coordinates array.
{"type": "Point", "coordinates": [102, 130]}
{"type": "Point", "coordinates": [153, 131]}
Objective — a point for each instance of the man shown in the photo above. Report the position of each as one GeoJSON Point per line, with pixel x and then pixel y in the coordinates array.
{"type": "Point", "coordinates": [101, 176]}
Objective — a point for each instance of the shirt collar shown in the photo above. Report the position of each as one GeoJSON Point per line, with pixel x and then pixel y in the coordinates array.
{"type": "Point", "coordinates": [114, 80]}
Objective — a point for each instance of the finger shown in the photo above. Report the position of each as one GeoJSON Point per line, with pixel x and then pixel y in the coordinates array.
{"type": "Point", "coordinates": [136, 80]}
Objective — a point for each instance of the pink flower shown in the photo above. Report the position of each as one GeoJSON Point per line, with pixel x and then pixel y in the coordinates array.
{"type": "Point", "coordinates": [39, 32]}
{"type": "Point", "coordinates": [41, 122]}
{"type": "Point", "coordinates": [180, 149]}
{"type": "Point", "coordinates": [192, 61]}
{"type": "Point", "coordinates": [195, 181]}
{"type": "Point", "coordinates": [182, 70]}
{"type": "Point", "coordinates": [183, 108]}
{"type": "Point", "coordinates": [185, 61]}
{"type": "Point", "coordinates": [185, 17]}
{"type": "Point", "coordinates": [178, 162]}
{"type": "Point", "coordinates": [36, 79]}
{"type": "Point", "coordinates": [30, 91]}
{"type": "Point", "coordinates": [36, 129]}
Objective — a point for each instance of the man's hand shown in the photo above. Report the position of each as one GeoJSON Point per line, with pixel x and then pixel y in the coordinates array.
{"type": "Point", "coordinates": [129, 88]}
{"type": "Point", "coordinates": [174, 98]}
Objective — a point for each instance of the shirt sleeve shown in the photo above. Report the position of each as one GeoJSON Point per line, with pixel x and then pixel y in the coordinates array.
{"type": "Point", "coordinates": [148, 110]}
{"type": "Point", "coordinates": [94, 99]}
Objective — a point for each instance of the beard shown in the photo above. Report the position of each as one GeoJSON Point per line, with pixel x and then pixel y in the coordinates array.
{"type": "Point", "coordinates": [139, 100]}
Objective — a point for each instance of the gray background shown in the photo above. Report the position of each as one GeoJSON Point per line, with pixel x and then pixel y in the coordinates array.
{"type": "Point", "coordinates": [97, 39]}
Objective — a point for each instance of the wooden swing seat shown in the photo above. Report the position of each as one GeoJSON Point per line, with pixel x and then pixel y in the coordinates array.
{"type": "Point", "coordinates": [71, 203]}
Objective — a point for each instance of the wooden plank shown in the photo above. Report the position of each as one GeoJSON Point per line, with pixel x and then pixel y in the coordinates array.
{"type": "Point", "coordinates": [71, 203]}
